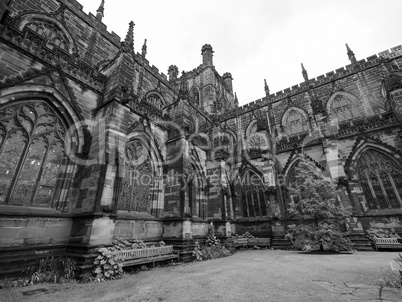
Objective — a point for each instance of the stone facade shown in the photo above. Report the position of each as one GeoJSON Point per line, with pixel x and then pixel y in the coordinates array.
{"type": "Point", "coordinates": [96, 143]}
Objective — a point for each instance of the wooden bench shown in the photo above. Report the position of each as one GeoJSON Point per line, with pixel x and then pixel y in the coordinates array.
{"type": "Point", "coordinates": [247, 242]}
{"type": "Point", "coordinates": [387, 243]}
{"type": "Point", "coordinates": [146, 255]}
{"type": "Point", "coordinates": [265, 242]}
{"type": "Point", "coordinates": [240, 242]}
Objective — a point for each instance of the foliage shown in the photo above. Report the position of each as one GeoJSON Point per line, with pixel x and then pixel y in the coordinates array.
{"type": "Point", "coordinates": [380, 233]}
{"type": "Point", "coordinates": [121, 244]}
{"type": "Point", "coordinates": [107, 265]}
{"type": "Point", "coordinates": [209, 252]}
{"type": "Point", "coordinates": [51, 269]}
{"type": "Point", "coordinates": [197, 253]}
{"type": "Point", "coordinates": [393, 278]}
{"type": "Point", "coordinates": [211, 238]}
{"type": "Point", "coordinates": [212, 249]}
{"type": "Point", "coordinates": [322, 223]}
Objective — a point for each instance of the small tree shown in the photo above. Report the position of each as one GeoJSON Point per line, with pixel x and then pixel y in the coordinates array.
{"type": "Point", "coordinates": [322, 223]}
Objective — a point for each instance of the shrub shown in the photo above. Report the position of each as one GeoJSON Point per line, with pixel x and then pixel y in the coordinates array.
{"type": "Point", "coordinates": [322, 223]}
{"type": "Point", "coordinates": [213, 248]}
{"type": "Point", "coordinates": [393, 278]}
{"type": "Point", "coordinates": [197, 252]}
{"type": "Point", "coordinates": [107, 265]}
{"type": "Point", "coordinates": [51, 269]}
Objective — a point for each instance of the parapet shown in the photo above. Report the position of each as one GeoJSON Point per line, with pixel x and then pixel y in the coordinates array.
{"type": "Point", "coordinates": [76, 7]}
{"type": "Point", "coordinates": [350, 69]}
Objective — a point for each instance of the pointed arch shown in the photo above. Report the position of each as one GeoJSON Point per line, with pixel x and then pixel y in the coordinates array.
{"type": "Point", "coordinates": [295, 120]}
{"type": "Point", "coordinates": [197, 186]}
{"type": "Point", "coordinates": [251, 128]}
{"type": "Point", "coordinates": [343, 106]}
{"type": "Point", "coordinates": [69, 112]}
{"type": "Point", "coordinates": [142, 188]}
{"type": "Point", "coordinates": [294, 160]}
{"type": "Point", "coordinates": [377, 169]}
{"type": "Point", "coordinates": [51, 29]}
{"type": "Point", "coordinates": [39, 131]}
{"type": "Point", "coordinates": [253, 198]}
{"type": "Point", "coordinates": [155, 99]}
{"type": "Point", "coordinates": [195, 95]}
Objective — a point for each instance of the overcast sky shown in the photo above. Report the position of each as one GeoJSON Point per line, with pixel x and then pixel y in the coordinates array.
{"type": "Point", "coordinates": [257, 39]}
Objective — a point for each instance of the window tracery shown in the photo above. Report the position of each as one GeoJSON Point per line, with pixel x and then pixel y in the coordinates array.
{"type": "Point", "coordinates": [295, 121]}
{"type": "Point", "coordinates": [52, 34]}
{"type": "Point", "coordinates": [381, 180]}
{"type": "Point", "coordinates": [343, 108]}
{"type": "Point", "coordinates": [253, 196]}
{"type": "Point", "coordinates": [154, 100]}
{"type": "Point", "coordinates": [32, 153]}
{"type": "Point", "coordinates": [138, 181]}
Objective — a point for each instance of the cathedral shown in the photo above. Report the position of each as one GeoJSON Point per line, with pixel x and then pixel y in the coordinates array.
{"type": "Point", "coordinates": [95, 143]}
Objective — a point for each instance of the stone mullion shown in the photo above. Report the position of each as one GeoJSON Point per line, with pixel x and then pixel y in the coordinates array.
{"type": "Point", "coordinates": [40, 174]}
{"type": "Point", "coordinates": [383, 189]}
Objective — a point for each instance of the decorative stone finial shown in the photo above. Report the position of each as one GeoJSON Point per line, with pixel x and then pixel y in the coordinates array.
{"type": "Point", "coordinates": [304, 72]}
{"type": "Point", "coordinates": [227, 79]}
{"type": "Point", "coordinates": [173, 72]}
{"type": "Point", "coordinates": [128, 43]}
{"type": "Point", "coordinates": [144, 48]}
{"type": "Point", "coordinates": [100, 11]}
{"type": "Point", "coordinates": [236, 101]}
{"type": "Point", "coordinates": [207, 53]}
{"type": "Point", "coordinates": [351, 54]}
{"type": "Point", "coordinates": [266, 88]}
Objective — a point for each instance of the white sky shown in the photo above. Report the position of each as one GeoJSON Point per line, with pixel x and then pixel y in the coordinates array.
{"type": "Point", "coordinates": [257, 39]}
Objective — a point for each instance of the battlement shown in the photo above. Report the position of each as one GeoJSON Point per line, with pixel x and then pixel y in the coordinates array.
{"type": "Point", "coordinates": [77, 8]}
{"type": "Point", "coordinates": [318, 81]}
{"type": "Point", "coordinates": [152, 69]}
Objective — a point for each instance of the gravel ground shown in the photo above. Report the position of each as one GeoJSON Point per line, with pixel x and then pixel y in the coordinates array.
{"type": "Point", "coordinates": [250, 275]}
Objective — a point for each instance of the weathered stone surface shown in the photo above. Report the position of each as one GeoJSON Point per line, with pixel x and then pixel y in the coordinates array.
{"type": "Point", "coordinates": [124, 122]}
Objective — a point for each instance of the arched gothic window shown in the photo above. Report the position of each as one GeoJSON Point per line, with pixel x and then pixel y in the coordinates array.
{"type": "Point", "coordinates": [155, 100]}
{"type": "Point", "coordinates": [54, 36]}
{"type": "Point", "coordinates": [137, 189]}
{"type": "Point", "coordinates": [32, 154]}
{"type": "Point", "coordinates": [343, 107]}
{"type": "Point", "coordinates": [257, 142]}
{"type": "Point", "coordinates": [292, 181]}
{"type": "Point", "coordinates": [253, 196]}
{"type": "Point", "coordinates": [381, 180]}
{"type": "Point", "coordinates": [295, 121]}
{"type": "Point", "coordinates": [195, 96]}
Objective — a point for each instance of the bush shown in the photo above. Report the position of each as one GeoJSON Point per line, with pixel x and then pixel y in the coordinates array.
{"type": "Point", "coordinates": [392, 278]}
{"type": "Point", "coordinates": [51, 269]}
{"type": "Point", "coordinates": [206, 252]}
{"type": "Point", "coordinates": [322, 223]}
{"type": "Point", "coordinates": [107, 265]}
{"type": "Point", "coordinates": [213, 248]}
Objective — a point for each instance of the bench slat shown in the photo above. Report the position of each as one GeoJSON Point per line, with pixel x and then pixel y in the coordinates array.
{"type": "Point", "coordinates": [149, 260]}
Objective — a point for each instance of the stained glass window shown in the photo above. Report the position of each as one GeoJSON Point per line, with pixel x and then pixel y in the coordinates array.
{"type": "Point", "coordinates": [53, 35]}
{"type": "Point", "coordinates": [253, 196]}
{"type": "Point", "coordinates": [295, 122]}
{"type": "Point", "coordinates": [193, 193]}
{"type": "Point", "coordinates": [343, 108]}
{"type": "Point", "coordinates": [138, 179]}
{"type": "Point", "coordinates": [32, 150]}
{"type": "Point", "coordinates": [381, 180]}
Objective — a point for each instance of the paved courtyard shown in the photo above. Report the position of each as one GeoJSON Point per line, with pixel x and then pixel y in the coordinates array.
{"type": "Point", "coordinates": [252, 275]}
